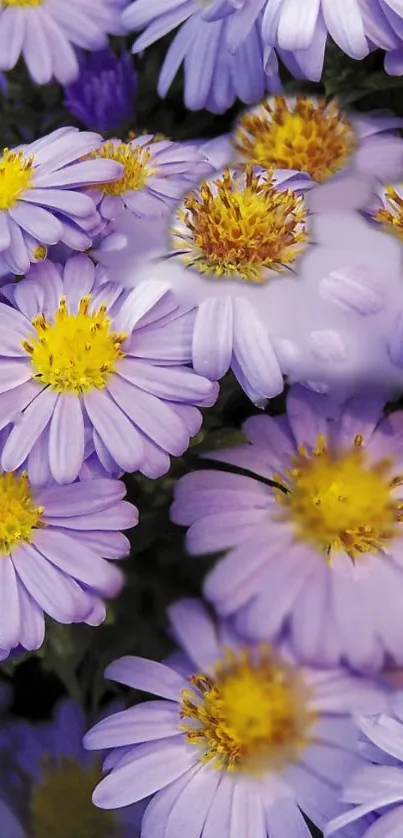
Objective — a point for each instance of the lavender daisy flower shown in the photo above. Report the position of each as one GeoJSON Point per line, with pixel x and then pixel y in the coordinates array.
{"type": "Point", "coordinates": [241, 735]}
{"type": "Point", "coordinates": [45, 33]}
{"type": "Point", "coordinates": [156, 174]}
{"type": "Point", "coordinates": [54, 542]}
{"type": "Point", "coordinates": [229, 263]}
{"type": "Point", "coordinates": [315, 136]}
{"type": "Point", "coordinates": [103, 96]}
{"type": "Point", "coordinates": [374, 791]}
{"type": "Point", "coordinates": [40, 198]}
{"type": "Point", "coordinates": [78, 355]}
{"type": "Point", "coordinates": [58, 778]}
{"type": "Point", "coordinates": [318, 552]}
{"type": "Point", "coordinates": [214, 76]}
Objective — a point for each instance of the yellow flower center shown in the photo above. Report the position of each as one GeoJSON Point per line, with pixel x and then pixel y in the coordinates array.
{"type": "Point", "coordinates": [22, 2]}
{"type": "Point", "coordinates": [136, 162]}
{"type": "Point", "coordinates": [251, 715]}
{"type": "Point", "coordinates": [310, 136]}
{"type": "Point", "coordinates": [391, 216]}
{"type": "Point", "coordinates": [61, 803]}
{"type": "Point", "coordinates": [340, 502]}
{"type": "Point", "coordinates": [18, 513]}
{"type": "Point", "coordinates": [241, 226]}
{"type": "Point", "coordinates": [76, 352]}
{"type": "Point", "coordinates": [15, 177]}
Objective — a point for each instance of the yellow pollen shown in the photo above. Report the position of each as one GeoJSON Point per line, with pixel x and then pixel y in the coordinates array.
{"type": "Point", "coordinates": [15, 177]}
{"type": "Point", "coordinates": [338, 501]}
{"type": "Point", "coordinates": [61, 803]}
{"type": "Point", "coordinates": [136, 162]}
{"type": "Point", "coordinates": [252, 715]}
{"type": "Point", "coordinates": [22, 2]}
{"type": "Point", "coordinates": [241, 226]}
{"type": "Point", "coordinates": [391, 216]}
{"type": "Point", "coordinates": [311, 136]}
{"type": "Point", "coordinates": [76, 352]}
{"type": "Point", "coordinates": [18, 513]}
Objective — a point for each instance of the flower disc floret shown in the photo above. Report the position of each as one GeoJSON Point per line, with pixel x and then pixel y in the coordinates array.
{"type": "Point", "coordinates": [15, 177]}
{"type": "Point", "coordinates": [241, 225]}
{"type": "Point", "coordinates": [137, 168]}
{"type": "Point", "coordinates": [77, 352]}
{"type": "Point", "coordinates": [19, 513]}
{"type": "Point", "coordinates": [339, 501]}
{"type": "Point", "coordinates": [308, 135]}
{"type": "Point", "coordinates": [250, 715]}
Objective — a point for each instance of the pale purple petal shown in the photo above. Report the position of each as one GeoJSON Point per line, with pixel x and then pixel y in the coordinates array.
{"type": "Point", "coordinates": [141, 723]}
{"type": "Point", "coordinates": [155, 765]}
{"type": "Point", "coordinates": [194, 631]}
{"type": "Point", "coordinates": [28, 429]}
{"type": "Point", "coordinates": [212, 358]}
{"type": "Point", "coordinates": [83, 564]}
{"type": "Point", "coordinates": [10, 617]}
{"type": "Point", "coordinates": [66, 439]}
{"type": "Point", "coordinates": [115, 429]}
{"type": "Point", "coordinates": [148, 676]}
{"type": "Point", "coordinates": [56, 593]}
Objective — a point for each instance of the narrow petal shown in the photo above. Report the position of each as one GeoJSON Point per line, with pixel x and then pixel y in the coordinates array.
{"type": "Point", "coordinates": [24, 434]}
{"type": "Point", "coordinates": [190, 809]}
{"type": "Point", "coordinates": [66, 439]}
{"type": "Point", "coordinates": [297, 24]}
{"type": "Point", "coordinates": [153, 416]}
{"type": "Point", "coordinates": [115, 430]}
{"type": "Point", "coordinates": [141, 723]}
{"type": "Point", "coordinates": [148, 676]}
{"type": "Point", "coordinates": [84, 565]}
{"type": "Point", "coordinates": [344, 21]}
{"type": "Point", "coordinates": [155, 765]}
{"type": "Point", "coordinates": [56, 593]}
{"type": "Point", "coordinates": [254, 352]}
{"type": "Point", "coordinates": [194, 632]}
{"type": "Point", "coordinates": [80, 498]}
{"type": "Point", "coordinates": [138, 303]}
{"type": "Point", "coordinates": [10, 619]}
{"type": "Point", "coordinates": [32, 631]}
{"type": "Point", "coordinates": [212, 358]}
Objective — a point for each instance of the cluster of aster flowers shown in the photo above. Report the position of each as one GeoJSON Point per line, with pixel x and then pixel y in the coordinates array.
{"type": "Point", "coordinates": [136, 273]}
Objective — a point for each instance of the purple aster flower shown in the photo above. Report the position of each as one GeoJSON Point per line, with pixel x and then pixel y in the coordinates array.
{"type": "Point", "coordinates": [156, 174]}
{"type": "Point", "coordinates": [255, 316]}
{"type": "Point", "coordinates": [103, 96]}
{"type": "Point", "coordinates": [58, 776]}
{"type": "Point", "coordinates": [240, 735]}
{"type": "Point", "coordinates": [54, 542]}
{"type": "Point", "coordinates": [317, 137]}
{"type": "Point", "coordinates": [319, 552]}
{"type": "Point", "coordinates": [78, 355]}
{"type": "Point", "coordinates": [57, 28]}
{"type": "Point", "coordinates": [374, 791]}
{"type": "Point", "coordinates": [214, 75]}
{"type": "Point", "coordinates": [41, 202]}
